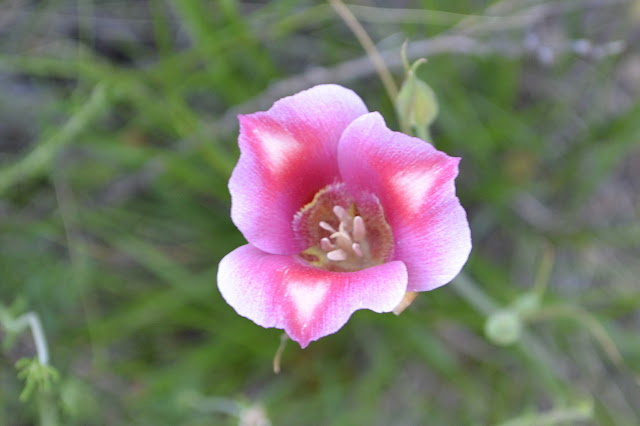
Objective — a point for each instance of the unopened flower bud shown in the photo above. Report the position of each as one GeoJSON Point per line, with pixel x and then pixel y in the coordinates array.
{"type": "Point", "coordinates": [416, 104]}
{"type": "Point", "coordinates": [503, 327]}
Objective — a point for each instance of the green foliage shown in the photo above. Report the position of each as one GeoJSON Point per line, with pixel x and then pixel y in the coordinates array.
{"type": "Point", "coordinates": [118, 134]}
{"type": "Point", "coordinates": [37, 377]}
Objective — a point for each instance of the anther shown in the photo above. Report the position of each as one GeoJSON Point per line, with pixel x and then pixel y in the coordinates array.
{"type": "Point", "coordinates": [324, 225]}
{"type": "Point", "coordinates": [346, 241]}
{"type": "Point", "coordinates": [343, 215]}
{"type": "Point", "coordinates": [359, 230]}
{"type": "Point", "coordinates": [337, 255]}
{"type": "Point", "coordinates": [326, 245]}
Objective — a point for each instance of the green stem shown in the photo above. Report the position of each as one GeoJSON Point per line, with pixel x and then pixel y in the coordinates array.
{"type": "Point", "coordinates": [531, 347]}
{"type": "Point", "coordinates": [544, 272]}
{"type": "Point", "coordinates": [423, 133]}
{"type": "Point", "coordinates": [31, 320]}
{"type": "Point", "coordinates": [47, 410]}
{"type": "Point", "coordinates": [474, 296]}
{"type": "Point", "coordinates": [592, 324]}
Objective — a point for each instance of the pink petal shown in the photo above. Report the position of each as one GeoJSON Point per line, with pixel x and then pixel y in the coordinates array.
{"type": "Point", "coordinates": [308, 303]}
{"type": "Point", "coordinates": [287, 154]}
{"type": "Point", "coordinates": [415, 185]}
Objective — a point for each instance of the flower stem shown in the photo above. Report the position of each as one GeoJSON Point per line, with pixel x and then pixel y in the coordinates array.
{"type": "Point", "coordinates": [48, 411]}
{"type": "Point", "coordinates": [276, 359]}
{"type": "Point", "coordinates": [544, 271]}
{"type": "Point", "coordinates": [475, 297]}
{"type": "Point", "coordinates": [423, 133]}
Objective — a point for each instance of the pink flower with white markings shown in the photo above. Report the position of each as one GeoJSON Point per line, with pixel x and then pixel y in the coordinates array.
{"type": "Point", "coordinates": [340, 213]}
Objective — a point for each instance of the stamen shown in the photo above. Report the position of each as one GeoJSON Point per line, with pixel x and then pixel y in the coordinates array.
{"type": "Point", "coordinates": [340, 234]}
{"type": "Point", "coordinates": [326, 245]}
{"type": "Point", "coordinates": [337, 255]}
{"type": "Point", "coordinates": [324, 225]}
{"type": "Point", "coordinates": [343, 215]}
{"type": "Point", "coordinates": [359, 230]}
{"type": "Point", "coordinates": [346, 242]}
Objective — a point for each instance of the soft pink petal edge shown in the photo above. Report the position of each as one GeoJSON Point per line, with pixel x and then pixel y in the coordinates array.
{"type": "Point", "coordinates": [287, 154]}
{"type": "Point", "coordinates": [415, 185]}
{"type": "Point", "coordinates": [308, 303]}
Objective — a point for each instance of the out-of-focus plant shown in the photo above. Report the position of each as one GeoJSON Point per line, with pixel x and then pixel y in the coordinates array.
{"type": "Point", "coordinates": [39, 377]}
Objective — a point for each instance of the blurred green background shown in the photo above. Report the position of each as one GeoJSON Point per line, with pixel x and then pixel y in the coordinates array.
{"type": "Point", "coordinates": [118, 135]}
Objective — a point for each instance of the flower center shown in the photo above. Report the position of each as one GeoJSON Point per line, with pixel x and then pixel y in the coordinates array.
{"type": "Point", "coordinates": [341, 235]}
{"type": "Point", "coordinates": [347, 239]}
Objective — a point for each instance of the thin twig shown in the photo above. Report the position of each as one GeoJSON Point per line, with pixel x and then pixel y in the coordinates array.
{"type": "Point", "coordinates": [367, 44]}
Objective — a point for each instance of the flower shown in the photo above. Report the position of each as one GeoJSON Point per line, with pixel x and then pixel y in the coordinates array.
{"type": "Point", "coordinates": [340, 213]}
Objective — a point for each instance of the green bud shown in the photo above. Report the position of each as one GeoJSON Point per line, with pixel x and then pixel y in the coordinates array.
{"type": "Point", "coordinates": [416, 105]}
{"type": "Point", "coordinates": [503, 327]}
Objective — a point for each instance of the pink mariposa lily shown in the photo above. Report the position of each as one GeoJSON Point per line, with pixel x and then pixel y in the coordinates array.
{"type": "Point", "coordinates": [340, 213]}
